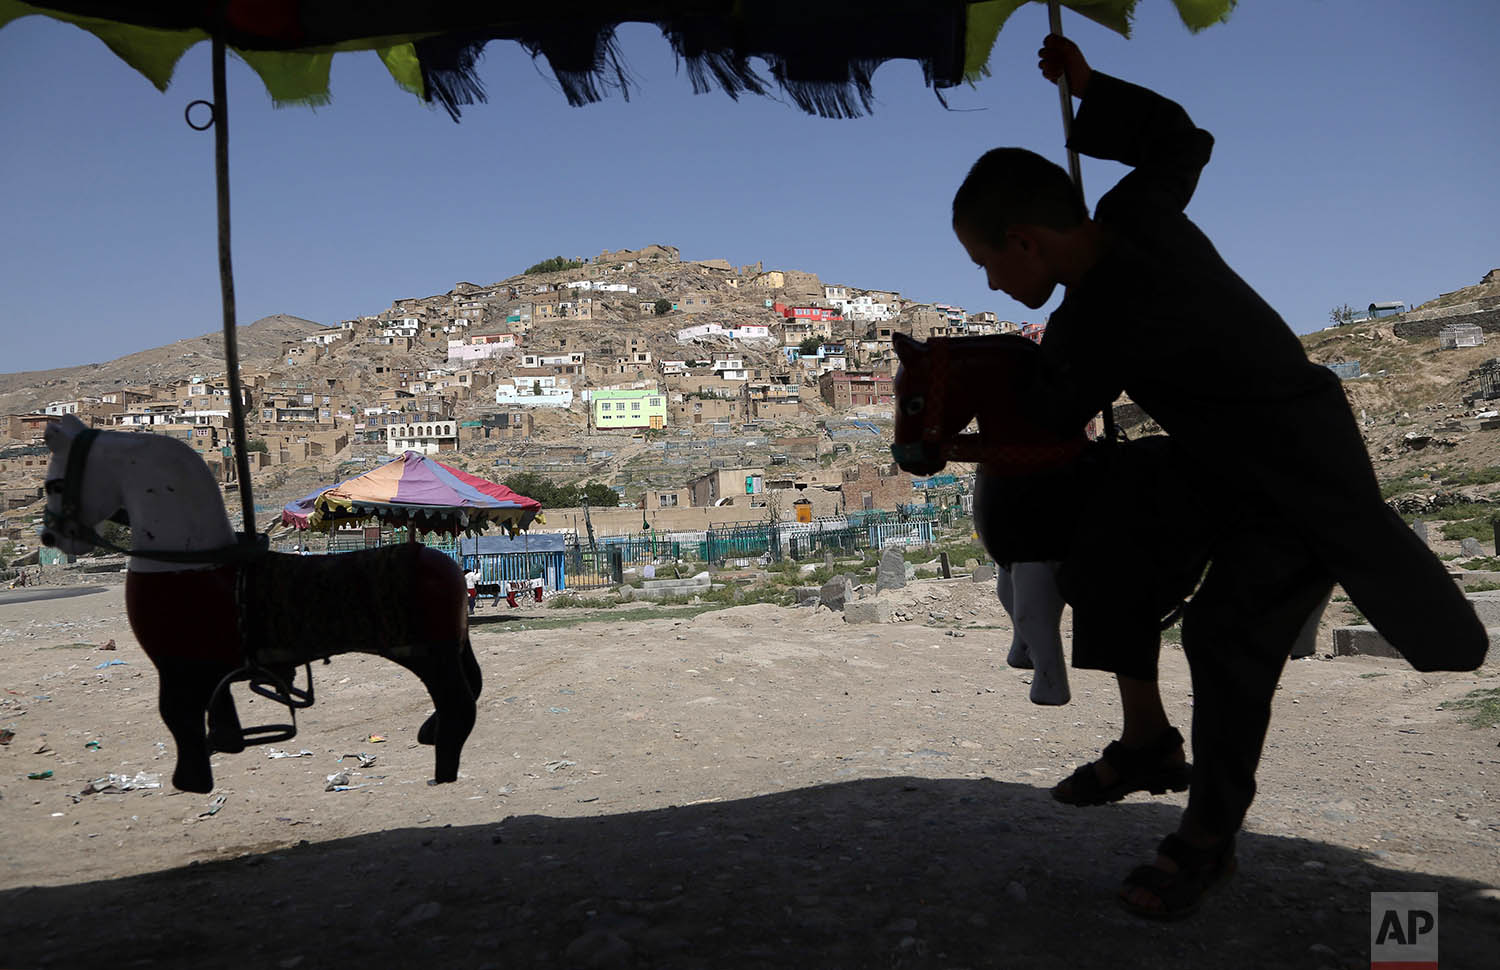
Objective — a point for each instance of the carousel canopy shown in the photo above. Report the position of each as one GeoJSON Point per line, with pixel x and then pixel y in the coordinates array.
{"type": "Point", "coordinates": [418, 491]}
{"type": "Point", "coordinates": [822, 54]}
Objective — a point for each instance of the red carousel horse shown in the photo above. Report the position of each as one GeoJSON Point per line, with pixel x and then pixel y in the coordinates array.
{"type": "Point", "coordinates": [1054, 496]}
{"type": "Point", "coordinates": [210, 611]}
{"type": "Point", "coordinates": [947, 382]}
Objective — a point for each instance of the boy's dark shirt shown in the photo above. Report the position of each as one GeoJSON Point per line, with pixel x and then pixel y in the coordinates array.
{"type": "Point", "coordinates": [1162, 317]}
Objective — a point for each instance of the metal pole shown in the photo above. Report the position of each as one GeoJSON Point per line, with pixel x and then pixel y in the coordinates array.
{"type": "Point", "coordinates": [1075, 170]}
{"type": "Point", "coordinates": [1054, 18]}
{"type": "Point", "coordinates": [226, 286]}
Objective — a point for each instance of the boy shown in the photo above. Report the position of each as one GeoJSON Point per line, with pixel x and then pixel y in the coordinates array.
{"type": "Point", "coordinates": [1151, 309]}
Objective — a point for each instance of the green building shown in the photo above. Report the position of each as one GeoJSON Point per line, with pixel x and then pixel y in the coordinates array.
{"type": "Point", "coordinates": [629, 409]}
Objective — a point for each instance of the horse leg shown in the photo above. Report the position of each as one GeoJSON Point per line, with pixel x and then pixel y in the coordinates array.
{"type": "Point", "coordinates": [1005, 587]}
{"type": "Point", "coordinates": [427, 733]}
{"type": "Point", "coordinates": [451, 694]}
{"type": "Point", "coordinates": [1038, 611]}
{"type": "Point", "coordinates": [183, 699]}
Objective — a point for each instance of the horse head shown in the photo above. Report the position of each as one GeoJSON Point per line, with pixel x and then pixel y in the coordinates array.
{"type": "Point", "coordinates": [946, 382]}
{"type": "Point", "coordinates": [76, 502]}
{"type": "Point", "coordinates": [928, 413]}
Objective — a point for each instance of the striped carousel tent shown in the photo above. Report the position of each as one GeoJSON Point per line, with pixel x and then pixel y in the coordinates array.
{"type": "Point", "coordinates": [418, 491]}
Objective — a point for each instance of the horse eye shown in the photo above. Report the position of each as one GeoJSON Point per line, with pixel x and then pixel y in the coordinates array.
{"type": "Point", "coordinates": [914, 405]}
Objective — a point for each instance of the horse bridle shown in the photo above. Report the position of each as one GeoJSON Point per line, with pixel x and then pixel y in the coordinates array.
{"type": "Point", "coordinates": [934, 448]}
{"type": "Point", "coordinates": [65, 521]}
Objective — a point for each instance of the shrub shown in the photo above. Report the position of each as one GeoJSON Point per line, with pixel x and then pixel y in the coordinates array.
{"type": "Point", "coordinates": [553, 265]}
{"type": "Point", "coordinates": [1469, 529]}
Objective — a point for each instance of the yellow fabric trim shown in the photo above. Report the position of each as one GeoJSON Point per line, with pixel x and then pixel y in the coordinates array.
{"type": "Point", "coordinates": [1198, 14]}
{"type": "Point", "coordinates": [985, 20]}
{"type": "Point", "coordinates": [152, 52]}
{"type": "Point", "coordinates": [291, 77]}
{"type": "Point", "coordinates": [401, 61]}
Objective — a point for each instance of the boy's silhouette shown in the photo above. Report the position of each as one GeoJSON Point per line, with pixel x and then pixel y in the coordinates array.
{"type": "Point", "coordinates": [1152, 309]}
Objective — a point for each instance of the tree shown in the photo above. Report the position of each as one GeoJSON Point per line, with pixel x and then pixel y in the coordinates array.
{"type": "Point", "coordinates": [809, 347]}
{"type": "Point", "coordinates": [257, 444]}
{"type": "Point", "coordinates": [1341, 315]}
{"type": "Point", "coordinates": [600, 495]}
{"type": "Point", "coordinates": [555, 496]}
{"type": "Point", "coordinates": [553, 265]}
{"type": "Point", "coordinates": [535, 486]}
{"type": "Point", "coordinates": [663, 307]}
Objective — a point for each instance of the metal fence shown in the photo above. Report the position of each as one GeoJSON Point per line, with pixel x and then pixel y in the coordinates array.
{"type": "Point", "coordinates": [582, 564]}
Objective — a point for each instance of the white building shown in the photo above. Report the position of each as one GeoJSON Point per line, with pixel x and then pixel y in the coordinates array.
{"type": "Point", "coordinates": [552, 360]}
{"type": "Point", "coordinates": [730, 368]}
{"type": "Point", "coordinates": [748, 333]}
{"type": "Point", "coordinates": [867, 308]}
{"type": "Point", "coordinates": [405, 327]}
{"type": "Point", "coordinates": [459, 350]}
{"type": "Point", "coordinates": [535, 392]}
{"type": "Point", "coordinates": [426, 437]}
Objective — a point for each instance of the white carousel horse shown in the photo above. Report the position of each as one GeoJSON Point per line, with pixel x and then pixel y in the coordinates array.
{"type": "Point", "coordinates": [202, 604]}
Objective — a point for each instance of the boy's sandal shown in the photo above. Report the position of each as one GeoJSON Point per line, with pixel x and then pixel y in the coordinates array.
{"type": "Point", "coordinates": [1179, 893]}
{"type": "Point", "coordinates": [1151, 768]}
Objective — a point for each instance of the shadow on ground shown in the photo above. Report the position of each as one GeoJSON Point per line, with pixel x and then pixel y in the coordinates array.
{"type": "Point", "coordinates": [900, 872]}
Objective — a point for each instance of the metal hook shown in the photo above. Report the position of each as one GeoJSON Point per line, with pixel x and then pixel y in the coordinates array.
{"type": "Point", "coordinates": [187, 115]}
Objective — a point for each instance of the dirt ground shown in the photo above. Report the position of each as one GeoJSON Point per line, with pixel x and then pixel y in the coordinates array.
{"type": "Point", "coordinates": [755, 787]}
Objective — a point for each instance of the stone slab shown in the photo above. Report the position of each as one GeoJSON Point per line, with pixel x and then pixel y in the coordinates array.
{"type": "Point", "coordinates": [1486, 605]}
{"type": "Point", "coordinates": [1361, 641]}
{"type": "Point", "coordinates": [892, 571]}
{"type": "Point", "coordinates": [1366, 641]}
{"type": "Point", "coordinates": [836, 592]}
{"type": "Point", "coordinates": [865, 611]}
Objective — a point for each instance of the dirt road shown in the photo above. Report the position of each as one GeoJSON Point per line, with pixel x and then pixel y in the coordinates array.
{"type": "Point", "coordinates": [752, 787]}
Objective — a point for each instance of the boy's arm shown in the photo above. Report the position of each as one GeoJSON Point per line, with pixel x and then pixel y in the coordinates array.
{"type": "Point", "coordinates": [1068, 389]}
{"type": "Point", "coordinates": [1127, 123]}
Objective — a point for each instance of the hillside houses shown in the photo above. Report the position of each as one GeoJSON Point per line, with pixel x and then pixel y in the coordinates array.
{"type": "Point", "coordinates": [515, 370]}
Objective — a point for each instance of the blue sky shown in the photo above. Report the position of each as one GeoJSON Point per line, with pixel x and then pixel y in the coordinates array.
{"type": "Point", "coordinates": [1357, 160]}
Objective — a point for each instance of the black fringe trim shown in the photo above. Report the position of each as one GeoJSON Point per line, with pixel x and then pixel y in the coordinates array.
{"type": "Point", "coordinates": [822, 57]}
{"type": "Point", "coordinates": [450, 70]}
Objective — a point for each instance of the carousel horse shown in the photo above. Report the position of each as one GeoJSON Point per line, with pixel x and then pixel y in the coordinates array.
{"type": "Point", "coordinates": [210, 610]}
{"type": "Point", "coordinates": [1049, 496]}
{"type": "Point", "coordinates": [942, 386]}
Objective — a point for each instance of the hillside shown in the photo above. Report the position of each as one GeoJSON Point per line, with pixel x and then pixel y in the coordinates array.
{"type": "Point", "coordinates": [1416, 402]}
{"type": "Point", "coordinates": [259, 345]}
